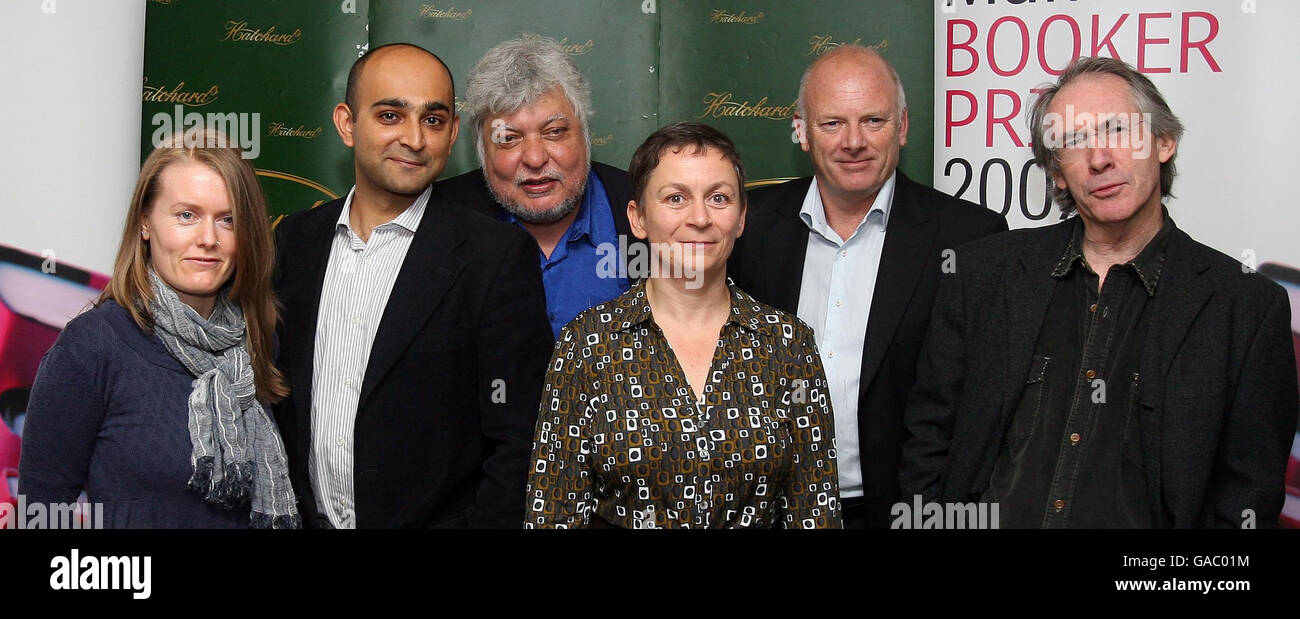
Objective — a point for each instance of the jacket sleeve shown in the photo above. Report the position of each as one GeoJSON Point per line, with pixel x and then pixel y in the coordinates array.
{"type": "Point", "coordinates": [1259, 425]}
{"type": "Point", "coordinates": [514, 343]}
{"type": "Point", "coordinates": [932, 403]}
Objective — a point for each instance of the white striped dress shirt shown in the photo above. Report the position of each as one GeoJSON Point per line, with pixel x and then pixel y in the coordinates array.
{"type": "Point", "coordinates": [358, 281]}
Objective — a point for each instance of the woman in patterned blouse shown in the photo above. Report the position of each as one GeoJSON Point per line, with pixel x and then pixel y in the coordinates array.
{"type": "Point", "coordinates": [685, 403]}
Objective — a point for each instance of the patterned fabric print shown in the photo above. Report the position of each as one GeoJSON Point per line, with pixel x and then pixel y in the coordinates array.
{"type": "Point", "coordinates": [621, 435]}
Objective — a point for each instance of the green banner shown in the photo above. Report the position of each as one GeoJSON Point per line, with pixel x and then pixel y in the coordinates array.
{"type": "Point", "coordinates": [736, 64]}
{"type": "Point", "coordinates": [275, 69]}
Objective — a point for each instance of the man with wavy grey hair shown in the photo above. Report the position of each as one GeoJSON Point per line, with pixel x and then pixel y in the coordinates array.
{"type": "Point", "coordinates": [1107, 371]}
{"type": "Point", "coordinates": [530, 107]}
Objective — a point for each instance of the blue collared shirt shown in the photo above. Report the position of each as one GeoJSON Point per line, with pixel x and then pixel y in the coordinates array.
{"type": "Point", "coordinates": [572, 276]}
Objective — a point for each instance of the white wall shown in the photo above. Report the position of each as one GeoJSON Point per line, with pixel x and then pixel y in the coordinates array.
{"type": "Point", "coordinates": [70, 148]}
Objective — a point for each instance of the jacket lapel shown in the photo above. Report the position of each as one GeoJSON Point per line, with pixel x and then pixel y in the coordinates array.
{"type": "Point", "coordinates": [428, 272]}
{"type": "Point", "coordinates": [1028, 293]}
{"type": "Point", "coordinates": [1181, 294]}
{"type": "Point", "coordinates": [317, 241]}
{"type": "Point", "coordinates": [788, 246]}
{"type": "Point", "coordinates": [903, 260]}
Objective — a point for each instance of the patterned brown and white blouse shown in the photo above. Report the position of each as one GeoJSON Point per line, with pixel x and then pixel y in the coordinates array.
{"type": "Point", "coordinates": [621, 436]}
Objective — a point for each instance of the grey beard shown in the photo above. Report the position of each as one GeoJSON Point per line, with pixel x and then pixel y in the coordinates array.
{"type": "Point", "coordinates": [527, 215]}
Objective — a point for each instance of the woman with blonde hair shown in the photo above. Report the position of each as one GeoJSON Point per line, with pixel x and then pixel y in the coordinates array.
{"type": "Point", "coordinates": [153, 401]}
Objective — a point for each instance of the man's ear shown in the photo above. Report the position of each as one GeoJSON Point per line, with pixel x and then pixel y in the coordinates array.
{"type": "Point", "coordinates": [902, 127]}
{"type": "Point", "coordinates": [635, 220]}
{"type": "Point", "coordinates": [344, 122]}
{"type": "Point", "coordinates": [455, 131]}
{"type": "Point", "coordinates": [801, 131]}
{"type": "Point", "coordinates": [1165, 148]}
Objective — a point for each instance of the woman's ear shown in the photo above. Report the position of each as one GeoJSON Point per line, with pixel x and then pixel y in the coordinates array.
{"type": "Point", "coordinates": [636, 219]}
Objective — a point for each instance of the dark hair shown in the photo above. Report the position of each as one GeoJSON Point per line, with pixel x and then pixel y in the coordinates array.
{"type": "Point", "coordinates": [675, 137]}
{"type": "Point", "coordinates": [1145, 97]}
{"type": "Point", "coordinates": [354, 74]}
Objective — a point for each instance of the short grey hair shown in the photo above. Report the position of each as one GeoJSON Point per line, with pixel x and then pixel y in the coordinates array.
{"type": "Point", "coordinates": [848, 48]}
{"type": "Point", "coordinates": [1145, 97]}
{"type": "Point", "coordinates": [517, 73]}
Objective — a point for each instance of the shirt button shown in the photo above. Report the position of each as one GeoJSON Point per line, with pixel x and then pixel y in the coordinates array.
{"type": "Point", "coordinates": [1093, 308]}
{"type": "Point", "coordinates": [1091, 374]}
{"type": "Point", "coordinates": [844, 252]}
{"type": "Point", "coordinates": [830, 355]}
{"type": "Point", "coordinates": [1074, 438]}
{"type": "Point", "coordinates": [356, 320]}
{"type": "Point", "coordinates": [339, 441]}
{"type": "Point", "coordinates": [347, 381]}
{"type": "Point", "coordinates": [1059, 505]}
{"type": "Point", "coordinates": [838, 302]}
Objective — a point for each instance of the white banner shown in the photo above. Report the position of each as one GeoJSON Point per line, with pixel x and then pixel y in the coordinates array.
{"type": "Point", "coordinates": [1225, 66]}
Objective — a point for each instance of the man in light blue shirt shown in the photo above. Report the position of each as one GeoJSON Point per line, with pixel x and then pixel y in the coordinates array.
{"type": "Point", "coordinates": [856, 251]}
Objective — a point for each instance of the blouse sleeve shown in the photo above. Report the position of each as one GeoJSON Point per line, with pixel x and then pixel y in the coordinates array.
{"type": "Point", "coordinates": [559, 491]}
{"type": "Point", "coordinates": [64, 413]}
{"type": "Point", "coordinates": [811, 496]}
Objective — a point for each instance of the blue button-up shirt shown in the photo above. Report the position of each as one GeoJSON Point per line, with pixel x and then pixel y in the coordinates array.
{"type": "Point", "coordinates": [572, 277]}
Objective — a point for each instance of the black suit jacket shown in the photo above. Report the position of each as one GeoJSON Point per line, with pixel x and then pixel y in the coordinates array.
{"type": "Point", "coordinates": [1218, 404]}
{"type": "Point", "coordinates": [435, 441]}
{"type": "Point", "coordinates": [768, 264]}
{"type": "Point", "coordinates": [470, 189]}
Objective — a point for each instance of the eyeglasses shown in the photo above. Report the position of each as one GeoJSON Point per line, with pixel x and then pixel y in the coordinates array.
{"type": "Point", "coordinates": [1116, 132]}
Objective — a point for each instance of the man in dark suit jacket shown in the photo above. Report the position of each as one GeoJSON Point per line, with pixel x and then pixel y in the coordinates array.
{"type": "Point", "coordinates": [1107, 371]}
{"type": "Point", "coordinates": [529, 107]}
{"type": "Point", "coordinates": [816, 252]}
{"type": "Point", "coordinates": [413, 332]}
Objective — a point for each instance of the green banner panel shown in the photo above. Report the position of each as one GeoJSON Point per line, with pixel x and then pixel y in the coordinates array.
{"type": "Point", "coordinates": [274, 69]}
{"type": "Point", "coordinates": [270, 69]}
{"type": "Point", "coordinates": [736, 64]}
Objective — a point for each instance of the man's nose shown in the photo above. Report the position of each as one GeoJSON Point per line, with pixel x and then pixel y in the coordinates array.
{"type": "Point", "coordinates": [534, 154]}
{"type": "Point", "coordinates": [854, 137]}
{"type": "Point", "coordinates": [1100, 157]}
{"type": "Point", "coordinates": [413, 136]}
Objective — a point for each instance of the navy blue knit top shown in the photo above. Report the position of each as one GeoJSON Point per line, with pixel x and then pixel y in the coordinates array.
{"type": "Point", "coordinates": [109, 414]}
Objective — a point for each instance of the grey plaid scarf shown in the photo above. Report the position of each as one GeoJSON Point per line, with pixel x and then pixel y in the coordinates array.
{"type": "Point", "coordinates": [237, 452]}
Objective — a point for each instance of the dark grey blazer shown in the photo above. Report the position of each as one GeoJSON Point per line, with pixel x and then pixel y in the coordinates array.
{"type": "Point", "coordinates": [768, 264]}
{"type": "Point", "coordinates": [1219, 404]}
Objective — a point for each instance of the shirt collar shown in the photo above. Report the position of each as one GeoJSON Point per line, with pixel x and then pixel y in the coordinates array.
{"type": "Point", "coordinates": [409, 219]}
{"type": "Point", "coordinates": [813, 212]}
{"type": "Point", "coordinates": [633, 308]}
{"type": "Point", "coordinates": [1148, 264]}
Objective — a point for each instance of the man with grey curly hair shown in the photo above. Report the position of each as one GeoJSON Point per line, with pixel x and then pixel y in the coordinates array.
{"type": "Point", "coordinates": [529, 107]}
{"type": "Point", "coordinates": [1107, 371]}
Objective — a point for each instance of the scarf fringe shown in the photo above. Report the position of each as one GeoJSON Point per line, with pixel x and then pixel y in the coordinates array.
{"type": "Point", "coordinates": [229, 492]}
{"type": "Point", "coordinates": [266, 521]}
